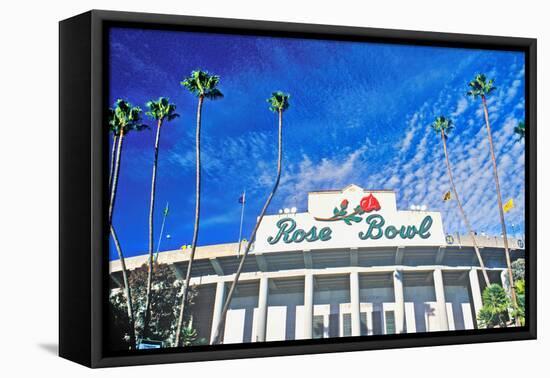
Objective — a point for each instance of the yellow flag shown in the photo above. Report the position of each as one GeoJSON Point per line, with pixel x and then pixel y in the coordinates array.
{"type": "Point", "coordinates": [508, 205]}
{"type": "Point", "coordinates": [447, 196]}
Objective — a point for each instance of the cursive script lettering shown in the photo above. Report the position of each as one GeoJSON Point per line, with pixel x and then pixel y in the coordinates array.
{"type": "Point", "coordinates": [288, 232]}
{"type": "Point", "coordinates": [376, 229]}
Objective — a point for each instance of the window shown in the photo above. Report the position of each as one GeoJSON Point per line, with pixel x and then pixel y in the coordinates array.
{"type": "Point", "coordinates": [377, 322]}
{"type": "Point", "coordinates": [346, 324]}
{"type": "Point", "coordinates": [364, 327]}
{"type": "Point", "coordinates": [390, 322]}
{"type": "Point", "coordinates": [318, 326]}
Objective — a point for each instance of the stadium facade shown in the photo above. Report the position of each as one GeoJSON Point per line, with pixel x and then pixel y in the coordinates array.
{"type": "Point", "coordinates": [352, 265]}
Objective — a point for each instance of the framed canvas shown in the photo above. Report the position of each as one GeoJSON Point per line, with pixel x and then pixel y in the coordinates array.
{"type": "Point", "coordinates": [233, 188]}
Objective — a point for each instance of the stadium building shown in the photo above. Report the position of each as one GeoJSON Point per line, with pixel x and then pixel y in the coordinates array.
{"type": "Point", "coordinates": [352, 265]}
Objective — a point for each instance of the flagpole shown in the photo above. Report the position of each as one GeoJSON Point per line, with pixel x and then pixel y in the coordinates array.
{"type": "Point", "coordinates": [241, 226]}
{"type": "Point", "coordinates": [161, 230]}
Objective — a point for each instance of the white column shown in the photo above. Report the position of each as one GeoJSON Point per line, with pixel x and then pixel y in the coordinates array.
{"type": "Point", "coordinates": [262, 309]}
{"type": "Point", "coordinates": [506, 286]}
{"type": "Point", "coordinates": [476, 293]}
{"type": "Point", "coordinates": [308, 306]}
{"type": "Point", "coordinates": [399, 301]}
{"type": "Point", "coordinates": [440, 299]}
{"type": "Point", "coordinates": [218, 305]}
{"type": "Point", "coordinates": [355, 308]}
{"type": "Point", "coordinates": [504, 280]}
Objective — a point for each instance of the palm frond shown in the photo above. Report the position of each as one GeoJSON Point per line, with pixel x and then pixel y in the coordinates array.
{"type": "Point", "coordinates": [125, 117]}
{"type": "Point", "coordinates": [278, 101]}
{"type": "Point", "coordinates": [161, 109]}
{"type": "Point", "coordinates": [203, 84]}
{"type": "Point", "coordinates": [113, 121]}
{"type": "Point", "coordinates": [444, 124]}
{"type": "Point", "coordinates": [519, 130]}
{"type": "Point", "coordinates": [480, 86]}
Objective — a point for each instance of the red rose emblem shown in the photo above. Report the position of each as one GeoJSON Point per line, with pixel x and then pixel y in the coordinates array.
{"type": "Point", "coordinates": [369, 203]}
{"type": "Point", "coordinates": [344, 204]}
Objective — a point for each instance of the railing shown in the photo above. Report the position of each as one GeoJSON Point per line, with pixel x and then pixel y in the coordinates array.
{"type": "Point", "coordinates": [485, 241]}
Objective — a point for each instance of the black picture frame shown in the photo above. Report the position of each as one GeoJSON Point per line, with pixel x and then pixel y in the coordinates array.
{"type": "Point", "coordinates": [83, 163]}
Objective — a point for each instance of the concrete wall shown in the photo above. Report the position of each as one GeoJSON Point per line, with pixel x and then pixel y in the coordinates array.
{"type": "Point", "coordinates": [327, 303]}
{"type": "Point", "coordinates": [284, 316]}
{"type": "Point", "coordinates": [420, 309]}
{"type": "Point", "coordinates": [241, 320]}
{"type": "Point", "coordinates": [459, 309]}
{"type": "Point", "coordinates": [202, 311]}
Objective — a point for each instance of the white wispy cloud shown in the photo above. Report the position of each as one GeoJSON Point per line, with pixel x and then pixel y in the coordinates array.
{"type": "Point", "coordinates": [421, 175]}
{"type": "Point", "coordinates": [461, 107]}
{"type": "Point", "coordinates": [513, 90]}
{"type": "Point", "coordinates": [327, 173]}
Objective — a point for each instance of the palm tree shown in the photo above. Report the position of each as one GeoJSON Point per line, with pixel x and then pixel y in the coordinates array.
{"type": "Point", "coordinates": [123, 119]}
{"type": "Point", "coordinates": [160, 111]}
{"type": "Point", "coordinates": [114, 129]}
{"type": "Point", "coordinates": [128, 118]}
{"type": "Point", "coordinates": [481, 87]}
{"type": "Point", "coordinates": [203, 85]}
{"type": "Point", "coordinates": [278, 103]}
{"type": "Point", "coordinates": [443, 126]}
{"type": "Point", "coordinates": [519, 130]}
{"type": "Point", "coordinates": [495, 307]}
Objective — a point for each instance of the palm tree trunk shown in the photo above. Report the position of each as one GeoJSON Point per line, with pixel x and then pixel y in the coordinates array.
{"type": "Point", "coordinates": [127, 293]}
{"type": "Point", "coordinates": [112, 162]}
{"type": "Point", "coordinates": [147, 315]}
{"type": "Point", "coordinates": [115, 177]}
{"type": "Point", "coordinates": [197, 219]}
{"type": "Point", "coordinates": [500, 209]}
{"type": "Point", "coordinates": [217, 335]}
{"type": "Point", "coordinates": [462, 212]}
{"type": "Point", "coordinates": [127, 290]}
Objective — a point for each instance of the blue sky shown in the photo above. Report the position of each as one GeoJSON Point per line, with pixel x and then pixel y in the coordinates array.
{"type": "Point", "coordinates": [359, 113]}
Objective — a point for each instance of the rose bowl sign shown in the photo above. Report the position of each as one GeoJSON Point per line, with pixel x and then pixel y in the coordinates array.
{"type": "Point", "coordinates": [349, 218]}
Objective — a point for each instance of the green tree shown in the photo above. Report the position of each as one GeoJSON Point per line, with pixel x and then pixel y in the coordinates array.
{"type": "Point", "coordinates": [189, 334]}
{"type": "Point", "coordinates": [518, 269]}
{"type": "Point", "coordinates": [519, 130]}
{"type": "Point", "coordinates": [519, 313]}
{"type": "Point", "coordinates": [480, 87]}
{"type": "Point", "coordinates": [443, 126]}
{"type": "Point", "coordinates": [160, 111]}
{"type": "Point", "coordinates": [518, 272]}
{"type": "Point", "coordinates": [494, 312]}
{"type": "Point", "coordinates": [119, 328]}
{"type": "Point", "coordinates": [123, 119]}
{"type": "Point", "coordinates": [278, 103]}
{"type": "Point", "coordinates": [204, 86]}
{"type": "Point", "coordinates": [165, 293]}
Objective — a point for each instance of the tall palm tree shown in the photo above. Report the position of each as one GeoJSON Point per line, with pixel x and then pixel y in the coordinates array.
{"type": "Point", "coordinates": [123, 119]}
{"type": "Point", "coordinates": [128, 118]}
{"type": "Point", "coordinates": [160, 110]}
{"type": "Point", "coordinates": [481, 87]}
{"type": "Point", "coordinates": [519, 130]}
{"type": "Point", "coordinates": [278, 103]}
{"type": "Point", "coordinates": [203, 85]}
{"type": "Point", "coordinates": [443, 126]}
{"type": "Point", "coordinates": [114, 129]}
